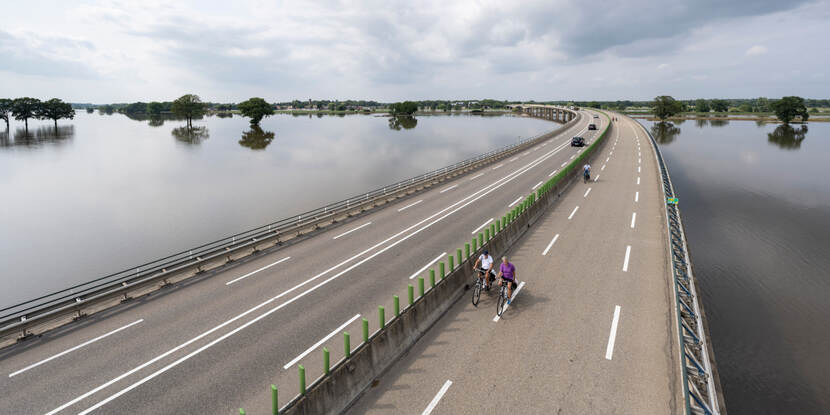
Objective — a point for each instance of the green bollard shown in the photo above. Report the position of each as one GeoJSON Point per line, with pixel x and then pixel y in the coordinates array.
{"type": "Point", "coordinates": [365, 330]}
{"type": "Point", "coordinates": [326, 366]}
{"type": "Point", "coordinates": [498, 225]}
{"type": "Point", "coordinates": [397, 302]}
{"type": "Point", "coordinates": [467, 250]}
{"type": "Point", "coordinates": [241, 411]}
{"type": "Point", "coordinates": [275, 405]}
{"type": "Point", "coordinates": [475, 244]}
{"type": "Point", "coordinates": [458, 255]}
{"type": "Point", "coordinates": [452, 262]}
{"type": "Point", "coordinates": [301, 368]}
{"type": "Point", "coordinates": [411, 295]}
{"type": "Point", "coordinates": [347, 344]}
{"type": "Point", "coordinates": [487, 234]}
{"type": "Point", "coordinates": [382, 316]}
{"type": "Point", "coordinates": [420, 287]}
{"type": "Point", "coordinates": [441, 270]}
{"type": "Point", "coordinates": [432, 278]}
{"type": "Point", "coordinates": [492, 229]}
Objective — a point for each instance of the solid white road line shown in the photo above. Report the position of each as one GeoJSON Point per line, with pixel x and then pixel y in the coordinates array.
{"type": "Point", "coordinates": [497, 166]}
{"type": "Point", "coordinates": [627, 255]}
{"type": "Point", "coordinates": [320, 343]}
{"type": "Point", "coordinates": [515, 201]}
{"type": "Point", "coordinates": [638, 179]}
{"type": "Point", "coordinates": [633, 219]}
{"type": "Point", "coordinates": [536, 185]}
{"type": "Point", "coordinates": [429, 264]}
{"type": "Point", "coordinates": [431, 406]}
{"type": "Point", "coordinates": [455, 208]}
{"type": "Point", "coordinates": [586, 192]}
{"type": "Point", "coordinates": [572, 213]}
{"type": "Point", "coordinates": [482, 225]}
{"type": "Point", "coordinates": [350, 231]}
{"type": "Point", "coordinates": [513, 298]}
{"type": "Point", "coordinates": [609, 350]}
{"type": "Point", "coordinates": [86, 343]}
{"type": "Point", "coordinates": [552, 241]}
{"type": "Point", "coordinates": [410, 205]}
{"type": "Point", "coordinates": [449, 188]}
{"type": "Point", "coordinates": [254, 272]}
{"type": "Point", "coordinates": [476, 176]}
{"type": "Point", "coordinates": [552, 173]}
{"type": "Point", "coordinates": [636, 196]}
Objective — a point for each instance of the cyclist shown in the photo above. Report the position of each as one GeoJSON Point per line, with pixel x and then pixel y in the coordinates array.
{"type": "Point", "coordinates": [486, 268]}
{"type": "Point", "coordinates": [507, 274]}
{"type": "Point", "coordinates": [586, 172]}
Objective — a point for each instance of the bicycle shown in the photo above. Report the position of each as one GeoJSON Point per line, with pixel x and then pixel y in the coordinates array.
{"type": "Point", "coordinates": [479, 285]}
{"type": "Point", "coordinates": [503, 296]}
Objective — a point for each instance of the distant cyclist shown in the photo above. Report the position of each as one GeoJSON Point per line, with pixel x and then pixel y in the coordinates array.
{"type": "Point", "coordinates": [586, 172]}
{"type": "Point", "coordinates": [507, 275]}
{"type": "Point", "coordinates": [486, 262]}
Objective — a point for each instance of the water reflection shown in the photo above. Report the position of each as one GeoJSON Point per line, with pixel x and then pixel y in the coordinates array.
{"type": "Point", "coordinates": [787, 137]}
{"type": "Point", "coordinates": [404, 122]}
{"type": "Point", "coordinates": [37, 136]}
{"type": "Point", "coordinates": [256, 139]}
{"type": "Point", "coordinates": [155, 122]}
{"type": "Point", "coordinates": [224, 115]}
{"type": "Point", "coordinates": [701, 122]}
{"type": "Point", "coordinates": [664, 132]}
{"type": "Point", "coordinates": [190, 135]}
{"type": "Point", "coordinates": [719, 122]}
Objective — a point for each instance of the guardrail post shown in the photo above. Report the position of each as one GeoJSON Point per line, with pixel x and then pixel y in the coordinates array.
{"type": "Point", "coordinates": [365, 330]}
{"type": "Point", "coordinates": [301, 368]}
{"type": "Point", "coordinates": [452, 262]}
{"type": "Point", "coordinates": [397, 303]}
{"type": "Point", "coordinates": [467, 250]}
{"type": "Point", "coordinates": [326, 366]}
{"type": "Point", "coordinates": [420, 287]}
{"type": "Point", "coordinates": [275, 404]}
{"type": "Point", "coordinates": [458, 256]}
{"type": "Point", "coordinates": [347, 344]}
{"type": "Point", "coordinates": [432, 277]}
{"type": "Point", "coordinates": [441, 270]}
{"type": "Point", "coordinates": [382, 316]}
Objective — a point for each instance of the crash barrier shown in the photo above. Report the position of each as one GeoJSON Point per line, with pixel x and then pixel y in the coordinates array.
{"type": "Point", "coordinates": [342, 384]}
{"type": "Point", "coordinates": [52, 310]}
{"type": "Point", "coordinates": [701, 385]}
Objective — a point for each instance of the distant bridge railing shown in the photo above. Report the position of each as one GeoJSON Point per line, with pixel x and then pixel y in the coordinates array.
{"type": "Point", "coordinates": [71, 302]}
{"type": "Point", "coordinates": [700, 385]}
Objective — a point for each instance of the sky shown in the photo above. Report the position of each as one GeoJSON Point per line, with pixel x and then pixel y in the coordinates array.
{"type": "Point", "coordinates": [229, 51]}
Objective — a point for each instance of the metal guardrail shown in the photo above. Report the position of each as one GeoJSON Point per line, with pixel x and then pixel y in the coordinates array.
{"type": "Point", "coordinates": [22, 316]}
{"type": "Point", "coordinates": [699, 387]}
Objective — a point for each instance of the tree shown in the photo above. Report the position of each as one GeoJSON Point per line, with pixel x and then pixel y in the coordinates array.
{"type": "Point", "coordinates": [25, 108]}
{"type": "Point", "coordinates": [55, 109]}
{"type": "Point", "coordinates": [188, 106]}
{"type": "Point", "coordinates": [155, 108]}
{"type": "Point", "coordinates": [255, 109]}
{"type": "Point", "coordinates": [762, 104]}
{"type": "Point", "coordinates": [666, 106]}
{"type": "Point", "coordinates": [788, 108]}
{"type": "Point", "coordinates": [90, 110]}
{"type": "Point", "coordinates": [720, 105]}
{"type": "Point", "coordinates": [403, 108]}
{"type": "Point", "coordinates": [6, 108]}
{"type": "Point", "coordinates": [745, 107]}
{"type": "Point", "coordinates": [702, 105]}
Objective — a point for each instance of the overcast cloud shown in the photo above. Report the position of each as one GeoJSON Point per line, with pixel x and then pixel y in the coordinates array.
{"type": "Point", "coordinates": [118, 51]}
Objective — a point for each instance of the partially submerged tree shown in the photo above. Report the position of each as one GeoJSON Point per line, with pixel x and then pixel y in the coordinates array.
{"type": "Point", "coordinates": [403, 108]}
{"type": "Point", "coordinates": [787, 108]}
{"type": "Point", "coordinates": [6, 108]}
{"type": "Point", "coordinates": [55, 109]}
{"type": "Point", "coordinates": [666, 106]}
{"type": "Point", "coordinates": [255, 109]}
{"type": "Point", "coordinates": [188, 106]}
{"type": "Point", "coordinates": [25, 108]}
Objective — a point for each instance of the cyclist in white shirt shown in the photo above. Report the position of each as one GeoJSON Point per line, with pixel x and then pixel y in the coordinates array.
{"type": "Point", "coordinates": [486, 268]}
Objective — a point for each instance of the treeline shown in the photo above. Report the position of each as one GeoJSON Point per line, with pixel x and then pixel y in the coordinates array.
{"type": "Point", "coordinates": [153, 108]}
{"type": "Point", "coordinates": [786, 108]}
{"type": "Point", "coordinates": [760, 104]}
{"type": "Point", "coordinates": [25, 108]}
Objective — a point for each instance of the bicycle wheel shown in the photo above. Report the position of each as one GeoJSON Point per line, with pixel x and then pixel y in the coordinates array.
{"type": "Point", "coordinates": [477, 292]}
{"type": "Point", "coordinates": [502, 300]}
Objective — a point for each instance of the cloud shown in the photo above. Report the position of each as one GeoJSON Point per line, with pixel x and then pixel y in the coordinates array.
{"type": "Point", "coordinates": [662, 66]}
{"type": "Point", "coordinates": [756, 51]}
{"type": "Point", "coordinates": [29, 54]}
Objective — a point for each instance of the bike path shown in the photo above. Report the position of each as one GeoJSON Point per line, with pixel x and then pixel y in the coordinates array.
{"type": "Point", "coordinates": [554, 350]}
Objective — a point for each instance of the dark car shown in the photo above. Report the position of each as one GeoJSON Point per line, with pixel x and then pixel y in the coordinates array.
{"type": "Point", "coordinates": [592, 126]}
{"type": "Point", "coordinates": [577, 142]}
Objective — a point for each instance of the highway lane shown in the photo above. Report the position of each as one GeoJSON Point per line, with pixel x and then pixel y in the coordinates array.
{"type": "Point", "coordinates": [234, 372]}
{"type": "Point", "coordinates": [592, 331]}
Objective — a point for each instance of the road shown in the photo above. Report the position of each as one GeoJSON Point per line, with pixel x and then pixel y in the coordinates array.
{"type": "Point", "coordinates": [215, 342]}
{"type": "Point", "coordinates": [591, 331]}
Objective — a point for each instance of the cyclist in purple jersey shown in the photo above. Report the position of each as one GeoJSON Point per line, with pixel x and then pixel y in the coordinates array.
{"type": "Point", "coordinates": [507, 274]}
